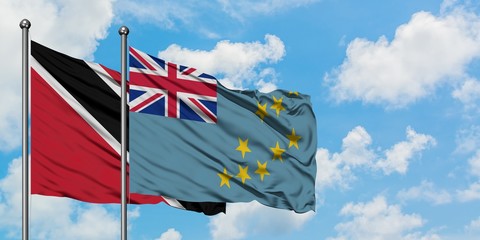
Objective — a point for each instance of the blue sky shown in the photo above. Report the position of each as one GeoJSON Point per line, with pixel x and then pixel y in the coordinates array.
{"type": "Point", "coordinates": [395, 89]}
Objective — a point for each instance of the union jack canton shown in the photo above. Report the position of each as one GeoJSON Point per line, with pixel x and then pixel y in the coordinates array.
{"type": "Point", "coordinates": [167, 89]}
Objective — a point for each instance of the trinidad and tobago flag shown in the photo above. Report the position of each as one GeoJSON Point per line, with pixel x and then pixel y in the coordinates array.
{"type": "Point", "coordinates": [75, 133]}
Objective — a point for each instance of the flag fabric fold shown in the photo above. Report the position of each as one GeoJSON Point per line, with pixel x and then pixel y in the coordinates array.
{"type": "Point", "coordinates": [193, 139]}
{"type": "Point", "coordinates": [75, 132]}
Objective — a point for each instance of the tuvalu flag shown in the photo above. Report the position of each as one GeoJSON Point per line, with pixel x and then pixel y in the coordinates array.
{"type": "Point", "coordinates": [192, 138]}
{"type": "Point", "coordinates": [75, 129]}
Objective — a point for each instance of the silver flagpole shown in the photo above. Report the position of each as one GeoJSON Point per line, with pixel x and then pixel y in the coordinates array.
{"type": "Point", "coordinates": [123, 31]}
{"type": "Point", "coordinates": [25, 26]}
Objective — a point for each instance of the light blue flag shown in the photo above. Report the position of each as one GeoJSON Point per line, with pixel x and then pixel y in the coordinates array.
{"type": "Point", "coordinates": [223, 146]}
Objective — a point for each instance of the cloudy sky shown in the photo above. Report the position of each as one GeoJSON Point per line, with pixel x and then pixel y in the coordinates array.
{"type": "Point", "coordinates": [395, 88]}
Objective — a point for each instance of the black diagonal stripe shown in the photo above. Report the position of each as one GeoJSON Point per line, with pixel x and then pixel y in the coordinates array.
{"type": "Point", "coordinates": [208, 208]}
{"type": "Point", "coordinates": [84, 85]}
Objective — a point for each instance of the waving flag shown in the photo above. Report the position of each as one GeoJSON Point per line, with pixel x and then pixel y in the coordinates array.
{"type": "Point", "coordinates": [171, 90]}
{"type": "Point", "coordinates": [261, 146]}
{"type": "Point", "coordinates": [75, 129]}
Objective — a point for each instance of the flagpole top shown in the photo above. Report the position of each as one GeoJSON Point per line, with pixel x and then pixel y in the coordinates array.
{"type": "Point", "coordinates": [25, 24]}
{"type": "Point", "coordinates": [123, 30]}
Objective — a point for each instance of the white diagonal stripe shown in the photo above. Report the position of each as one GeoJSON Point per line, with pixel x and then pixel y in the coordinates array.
{"type": "Point", "coordinates": [100, 71]}
{"type": "Point", "coordinates": [173, 202]}
{"type": "Point", "coordinates": [57, 87]}
{"type": "Point", "coordinates": [149, 92]}
{"type": "Point", "coordinates": [187, 99]}
{"type": "Point", "coordinates": [148, 59]}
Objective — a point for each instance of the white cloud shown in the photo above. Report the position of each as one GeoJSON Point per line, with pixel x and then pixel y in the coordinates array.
{"type": "Point", "coordinates": [53, 217]}
{"type": "Point", "coordinates": [425, 191]}
{"type": "Point", "coordinates": [377, 220]}
{"type": "Point", "coordinates": [468, 139]}
{"type": "Point", "coordinates": [470, 194]}
{"type": "Point", "coordinates": [420, 236]}
{"type": "Point", "coordinates": [73, 27]}
{"type": "Point", "coordinates": [244, 9]}
{"type": "Point", "coordinates": [448, 5]}
{"type": "Point", "coordinates": [474, 163]}
{"type": "Point", "coordinates": [398, 157]}
{"type": "Point", "coordinates": [91, 222]}
{"type": "Point", "coordinates": [468, 94]}
{"type": "Point", "coordinates": [268, 80]}
{"type": "Point", "coordinates": [253, 218]}
{"type": "Point", "coordinates": [134, 213]}
{"type": "Point", "coordinates": [331, 171]}
{"type": "Point", "coordinates": [160, 12]}
{"type": "Point", "coordinates": [70, 26]}
{"type": "Point", "coordinates": [337, 168]}
{"type": "Point", "coordinates": [11, 196]}
{"type": "Point", "coordinates": [202, 17]}
{"type": "Point", "coordinates": [238, 63]}
{"type": "Point", "coordinates": [170, 234]}
{"type": "Point", "coordinates": [471, 231]}
{"type": "Point", "coordinates": [413, 65]}
{"type": "Point", "coordinates": [473, 226]}
{"type": "Point", "coordinates": [355, 150]}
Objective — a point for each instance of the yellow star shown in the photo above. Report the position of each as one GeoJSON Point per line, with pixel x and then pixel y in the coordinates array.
{"type": "Point", "coordinates": [243, 146]}
{"type": "Point", "coordinates": [262, 169]}
{"type": "Point", "coordinates": [277, 105]}
{"type": "Point", "coordinates": [262, 111]}
{"type": "Point", "coordinates": [243, 173]}
{"type": "Point", "coordinates": [225, 177]}
{"type": "Point", "coordinates": [293, 93]}
{"type": "Point", "coordinates": [293, 139]}
{"type": "Point", "coordinates": [277, 152]}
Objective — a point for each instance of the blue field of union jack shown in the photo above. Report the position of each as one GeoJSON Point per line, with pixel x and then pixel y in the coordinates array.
{"type": "Point", "coordinates": [167, 89]}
